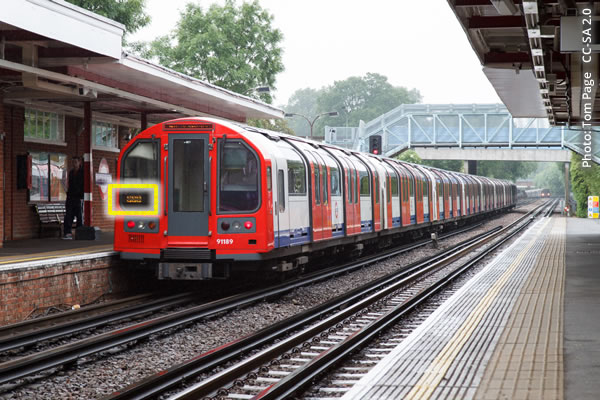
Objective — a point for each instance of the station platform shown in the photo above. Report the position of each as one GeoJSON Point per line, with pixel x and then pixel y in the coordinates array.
{"type": "Point", "coordinates": [525, 327]}
{"type": "Point", "coordinates": [38, 250]}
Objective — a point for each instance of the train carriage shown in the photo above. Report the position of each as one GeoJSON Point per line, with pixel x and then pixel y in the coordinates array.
{"type": "Point", "coordinates": [235, 198]}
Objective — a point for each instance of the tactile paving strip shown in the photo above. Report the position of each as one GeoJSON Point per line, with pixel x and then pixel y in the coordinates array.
{"type": "Point", "coordinates": [446, 356]}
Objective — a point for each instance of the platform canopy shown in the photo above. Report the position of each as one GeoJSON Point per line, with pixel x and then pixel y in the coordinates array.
{"type": "Point", "coordinates": [55, 56]}
{"type": "Point", "coordinates": [518, 43]}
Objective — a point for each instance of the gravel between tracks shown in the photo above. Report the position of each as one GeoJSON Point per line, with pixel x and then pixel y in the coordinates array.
{"type": "Point", "coordinates": [100, 375]}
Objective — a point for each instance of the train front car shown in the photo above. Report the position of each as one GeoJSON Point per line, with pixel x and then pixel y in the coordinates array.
{"type": "Point", "coordinates": [213, 202]}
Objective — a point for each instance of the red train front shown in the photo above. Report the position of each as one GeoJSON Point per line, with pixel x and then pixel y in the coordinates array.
{"type": "Point", "coordinates": [199, 222]}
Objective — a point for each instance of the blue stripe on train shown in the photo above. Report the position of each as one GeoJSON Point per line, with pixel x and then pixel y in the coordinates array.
{"type": "Point", "coordinates": [366, 225]}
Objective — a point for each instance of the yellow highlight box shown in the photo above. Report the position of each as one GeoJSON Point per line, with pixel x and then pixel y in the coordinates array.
{"type": "Point", "coordinates": [129, 186]}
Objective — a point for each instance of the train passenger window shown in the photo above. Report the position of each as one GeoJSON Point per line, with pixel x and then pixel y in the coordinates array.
{"type": "Point", "coordinates": [296, 178]}
{"type": "Point", "coordinates": [364, 184]}
{"type": "Point", "coordinates": [394, 186]}
{"type": "Point", "coordinates": [269, 184]}
{"type": "Point", "coordinates": [140, 163]}
{"type": "Point", "coordinates": [317, 184]}
{"type": "Point", "coordinates": [389, 190]}
{"type": "Point", "coordinates": [238, 178]}
{"type": "Point", "coordinates": [350, 184]}
{"type": "Point", "coordinates": [355, 183]}
{"type": "Point", "coordinates": [324, 180]}
{"type": "Point", "coordinates": [426, 189]}
{"type": "Point", "coordinates": [377, 189]}
{"type": "Point", "coordinates": [281, 190]}
{"type": "Point", "coordinates": [411, 185]}
{"type": "Point", "coordinates": [335, 181]}
{"type": "Point", "coordinates": [188, 175]}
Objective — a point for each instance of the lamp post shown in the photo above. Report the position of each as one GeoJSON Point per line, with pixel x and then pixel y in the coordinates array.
{"type": "Point", "coordinates": [311, 123]}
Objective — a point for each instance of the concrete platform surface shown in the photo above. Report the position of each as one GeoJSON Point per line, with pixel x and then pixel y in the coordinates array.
{"type": "Point", "coordinates": [582, 310]}
{"type": "Point", "coordinates": [498, 337]}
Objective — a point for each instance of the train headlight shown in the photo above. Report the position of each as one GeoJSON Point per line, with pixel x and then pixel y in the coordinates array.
{"type": "Point", "coordinates": [151, 225]}
{"type": "Point", "coordinates": [225, 225]}
{"type": "Point", "coordinates": [236, 225]}
{"type": "Point", "coordinates": [130, 224]}
{"type": "Point", "coordinates": [248, 225]}
{"type": "Point", "coordinates": [141, 225]}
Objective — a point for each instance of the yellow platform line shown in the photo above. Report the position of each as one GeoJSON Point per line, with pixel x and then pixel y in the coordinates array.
{"type": "Point", "coordinates": [436, 371]}
{"type": "Point", "coordinates": [54, 254]}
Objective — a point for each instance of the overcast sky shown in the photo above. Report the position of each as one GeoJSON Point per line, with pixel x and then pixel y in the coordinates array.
{"type": "Point", "coordinates": [416, 44]}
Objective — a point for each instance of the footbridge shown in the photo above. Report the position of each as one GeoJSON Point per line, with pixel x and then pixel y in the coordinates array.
{"type": "Point", "coordinates": [464, 132]}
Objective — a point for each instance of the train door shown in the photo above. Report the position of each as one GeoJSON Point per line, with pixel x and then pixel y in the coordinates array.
{"type": "Point", "coordinates": [189, 183]}
{"type": "Point", "coordinates": [282, 209]}
{"type": "Point", "coordinates": [317, 214]}
{"type": "Point", "coordinates": [325, 197]}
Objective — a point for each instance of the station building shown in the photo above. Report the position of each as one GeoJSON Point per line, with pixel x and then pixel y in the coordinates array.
{"type": "Point", "coordinates": [67, 88]}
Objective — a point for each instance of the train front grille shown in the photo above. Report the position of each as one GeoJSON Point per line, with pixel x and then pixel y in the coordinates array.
{"type": "Point", "coordinates": [187, 254]}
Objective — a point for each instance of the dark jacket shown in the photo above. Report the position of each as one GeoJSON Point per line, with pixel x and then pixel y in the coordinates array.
{"type": "Point", "coordinates": [75, 190]}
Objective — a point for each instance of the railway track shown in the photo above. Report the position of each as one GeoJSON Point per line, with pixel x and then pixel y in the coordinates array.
{"type": "Point", "coordinates": [344, 324]}
{"type": "Point", "coordinates": [70, 353]}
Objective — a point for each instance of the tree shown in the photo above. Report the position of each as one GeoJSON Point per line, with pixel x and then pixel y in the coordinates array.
{"type": "Point", "coordinates": [550, 176]}
{"type": "Point", "coordinates": [448, 165]}
{"type": "Point", "coordinates": [361, 98]}
{"type": "Point", "coordinates": [303, 101]}
{"type": "Point", "coordinates": [584, 182]}
{"type": "Point", "coordinates": [233, 47]}
{"type": "Point", "coordinates": [410, 156]}
{"type": "Point", "coordinates": [510, 170]}
{"type": "Point", "coordinates": [128, 12]}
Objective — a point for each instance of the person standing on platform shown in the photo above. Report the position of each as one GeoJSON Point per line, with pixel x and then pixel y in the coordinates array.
{"type": "Point", "coordinates": [74, 198]}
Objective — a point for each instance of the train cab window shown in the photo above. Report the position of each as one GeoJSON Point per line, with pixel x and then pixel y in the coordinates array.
{"type": "Point", "coordinates": [296, 178]}
{"type": "Point", "coordinates": [394, 186]}
{"type": "Point", "coordinates": [140, 163]}
{"type": "Point", "coordinates": [364, 184]}
{"type": "Point", "coordinates": [238, 178]}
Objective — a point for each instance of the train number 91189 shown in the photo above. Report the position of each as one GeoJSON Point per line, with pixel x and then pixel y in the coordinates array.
{"type": "Point", "coordinates": [224, 241]}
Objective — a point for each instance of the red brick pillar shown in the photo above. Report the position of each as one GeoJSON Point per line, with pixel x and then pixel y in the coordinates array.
{"type": "Point", "coordinates": [88, 165]}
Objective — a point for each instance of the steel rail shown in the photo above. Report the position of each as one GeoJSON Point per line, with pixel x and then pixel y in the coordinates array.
{"type": "Point", "coordinates": [68, 327]}
{"type": "Point", "coordinates": [166, 379]}
{"type": "Point", "coordinates": [226, 376]}
{"type": "Point", "coordinates": [69, 353]}
{"type": "Point", "coordinates": [304, 375]}
{"type": "Point", "coordinates": [163, 380]}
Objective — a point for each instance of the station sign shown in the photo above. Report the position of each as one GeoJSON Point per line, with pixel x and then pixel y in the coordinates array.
{"type": "Point", "coordinates": [593, 207]}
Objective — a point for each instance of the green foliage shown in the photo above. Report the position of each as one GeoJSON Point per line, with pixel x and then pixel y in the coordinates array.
{"type": "Point", "coordinates": [509, 170]}
{"type": "Point", "coordinates": [584, 182]}
{"type": "Point", "coordinates": [551, 176]}
{"type": "Point", "coordinates": [234, 47]}
{"type": "Point", "coordinates": [128, 12]}
{"type": "Point", "coordinates": [277, 125]}
{"type": "Point", "coordinates": [303, 101]}
{"type": "Point", "coordinates": [361, 98]}
{"type": "Point", "coordinates": [410, 156]}
{"type": "Point", "coordinates": [448, 165]}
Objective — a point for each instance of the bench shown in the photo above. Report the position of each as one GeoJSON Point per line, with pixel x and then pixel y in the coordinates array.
{"type": "Point", "coordinates": [52, 215]}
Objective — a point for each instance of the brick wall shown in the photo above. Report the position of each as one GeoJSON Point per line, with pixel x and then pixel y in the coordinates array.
{"type": "Point", "coordinates": [20, 221]}
{"type": "Point", "coordinates": [27, 290]}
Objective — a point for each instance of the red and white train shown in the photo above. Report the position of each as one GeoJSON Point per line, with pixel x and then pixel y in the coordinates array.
{"type": "Point", "coordinates": [240, 198]}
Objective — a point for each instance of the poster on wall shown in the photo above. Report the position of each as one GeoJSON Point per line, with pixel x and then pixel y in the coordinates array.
{"type": "Point", "coordinates": [593, 207]}
{"type": "Point", "coordinates": [103, 178]}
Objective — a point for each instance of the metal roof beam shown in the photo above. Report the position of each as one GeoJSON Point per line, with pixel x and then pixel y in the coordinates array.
{"type": "Point", "coordinates": [501, 22]}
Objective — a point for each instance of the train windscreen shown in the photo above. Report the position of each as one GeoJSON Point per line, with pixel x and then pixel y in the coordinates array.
{"type": "Point", "coordinates": [238, 170]}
